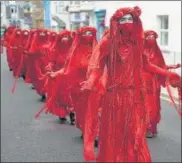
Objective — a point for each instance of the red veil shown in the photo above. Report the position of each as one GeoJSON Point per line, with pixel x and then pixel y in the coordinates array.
{"type": "Point", "coordinates": [106, 53]}
{"type": "Point", "coordinates": [76, 43]}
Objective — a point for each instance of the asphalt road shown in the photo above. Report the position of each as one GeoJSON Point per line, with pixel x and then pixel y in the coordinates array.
{"type": "Point", "coordinates": [25, 139]}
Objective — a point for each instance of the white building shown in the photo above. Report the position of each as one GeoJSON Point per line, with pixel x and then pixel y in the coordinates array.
{"type": "Point", "coordinates": [162, 16]}
{"type": "Point", "coordinates": [59, 15]}
{"type": "Point", "coordinates": [4, 21]}
{"type": "Point", "coordinates": [81, 13]}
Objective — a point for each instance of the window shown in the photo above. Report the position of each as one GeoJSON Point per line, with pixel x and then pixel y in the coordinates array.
{"type": "Point", "coordinates": [163, 23]}
{"type": "Point", "coordinates": [77, 2]}
{"type": "Point", "coordinates": [59, 6]}
{"type": "Point", "coordinates": [75, 26]}
{"type": "Point", "coordinates": [77, 15]}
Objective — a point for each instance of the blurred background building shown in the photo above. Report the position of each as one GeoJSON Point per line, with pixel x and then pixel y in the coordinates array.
{"type": "Point", "coordinates": [162, 16]}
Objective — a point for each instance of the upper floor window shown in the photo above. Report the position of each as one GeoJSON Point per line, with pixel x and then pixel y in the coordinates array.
{"type": "Point", "coordinates": [163, 24]}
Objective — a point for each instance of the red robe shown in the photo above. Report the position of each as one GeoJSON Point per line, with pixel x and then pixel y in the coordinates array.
{"type": "Point", "coordinates": [7, 39]}
{"type": "Point", "coordinates": [58, 100]}
{"type": "Point", "coordinates": [37, 61]}
{"type": "Point", "coordinates": [27, 57]}
{"type": "Point", "coordinates": [25, 37]}
{"type": "Point", "coordinates": [76, 70]}
{"type": "Point", "coordinates": [93, 112]}
{"type": "Point", "coordinates": [123, 122]}
{"type": "Point", "coordinates": [153, 82]}
{"type": "Point", "coordinates": [122, 126]}
{"type": "Point", "coordinates": [15, 44]}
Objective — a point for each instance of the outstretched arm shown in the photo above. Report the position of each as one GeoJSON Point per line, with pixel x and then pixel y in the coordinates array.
{"type": "Point", "coordinates": [96, 64]}
{"type": "Point", "coordinates": [157, 70]}
{"type": "Point", "coordinates": [174, 66]}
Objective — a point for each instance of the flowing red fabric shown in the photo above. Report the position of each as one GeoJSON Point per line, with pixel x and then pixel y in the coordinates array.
{"type": "Point", "coordinates": [51, 39]}
{"type": "Point", "coordinates": [76, 69]}
{"type": "Point", "coordinates": [57, 99]}
{"type": "Point", "coordinates": [37, 61]}
{"type": "Point", "coordinates": [28, 57]}
{"type": "Point", "coordinates": [152, 82]}
{"type": "Point", "coordinates": [157, 70]}
{"type": "Point", "coordinates": [93, 113]}
{"type": "Point", "coordinates": [122, 124]}
{"type": "Point", "coordinates": [7, 41]}
{"type": "Point", "coordinates": [15, 44]}
{"type": "Point", "coordinates": [25, 37]}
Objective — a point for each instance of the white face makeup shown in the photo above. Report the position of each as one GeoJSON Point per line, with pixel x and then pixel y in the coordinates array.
{"type": "Point", "coordinates": [42, 34]}
{"type": "Point", "coordinates": [18, 32]}
{"type": "Point", "coordinates": [65, 39]}
{"type": "Point", "coordinates": [87, 33]}
{"type": "Point", "coordinates": [150, 37]}
{"type": "Point", "coordinates": [126, 19]}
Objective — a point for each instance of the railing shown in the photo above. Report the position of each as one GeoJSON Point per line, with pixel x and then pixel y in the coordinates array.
{"type": "Point", "coordinates": [171, 58]}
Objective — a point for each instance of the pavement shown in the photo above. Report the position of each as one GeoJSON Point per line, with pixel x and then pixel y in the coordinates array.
{"type": "Point", "coordinates": [26, 139]}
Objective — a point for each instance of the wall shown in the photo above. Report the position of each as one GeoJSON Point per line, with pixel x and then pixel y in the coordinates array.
{"type": "Point", "coordinates": [150, 11]}
{"type": "Point", "coordinates": [4, 21]}
{"type": "Point", "coordinates": [62, 14]}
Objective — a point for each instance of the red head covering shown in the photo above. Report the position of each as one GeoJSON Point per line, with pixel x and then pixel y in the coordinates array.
{"type": "Point", "coordinates": [151, 46]}
{"type": "Point", "coordinates": [8, 34]}
{"type": "Point", "coordinates": [60, 49]}
{"type": "Point", "coordinates": [77, 43]}
{"type": "Point", "coordinates": [28, 44]}
{"type": "Point", "coordinates": [152, 51]}
{"type": "Point", "coordinates": [25, 36]}
{"type": "Point", "coordinates": [150, 32]}
{"type": "Point", "coordinates": [136, 37]}
{"type": "Point", "coordinates": [47, 45]}
{"type": "Point", "coordinates": [63, 33]}
{"type": "Point", "coordinates": [78, 35]}
{"type": "Point", "coordinates": [39, 38]}
{"type": "Point", "coordinates": [16, 37]}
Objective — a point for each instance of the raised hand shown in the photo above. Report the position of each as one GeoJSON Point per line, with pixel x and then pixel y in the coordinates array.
{"type": "Point", "coordinates": [175, 80]}
{"type": "Point", "coordinates": [86, 85]}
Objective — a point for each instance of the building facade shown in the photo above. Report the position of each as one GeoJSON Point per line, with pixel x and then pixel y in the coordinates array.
{"type": "Point", "coordinates": [162, 16]}
{"type": "Point", "coordinates": [59, 15]}
{"type": "Point", "coordinates": [81, 13]}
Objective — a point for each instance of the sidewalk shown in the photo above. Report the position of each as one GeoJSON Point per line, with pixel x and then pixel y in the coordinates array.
{"type": "Point", "coordinates": [165, 95]}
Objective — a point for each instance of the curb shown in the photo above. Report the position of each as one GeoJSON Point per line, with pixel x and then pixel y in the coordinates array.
{"type": "Point", "coordinates": [166, 97]}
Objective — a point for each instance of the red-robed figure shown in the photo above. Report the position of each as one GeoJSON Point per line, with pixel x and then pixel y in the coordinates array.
{"type": "Point", "coordinates": [15, 45]}
{"type": "Point", "coordinates": [93, 112]}
{"type": "Point", "coordinates": [152, 81]}
{"type": "Point", "coordinates": [6, 42]}
{"type": "Point", "coordinates": [123, 119]}
{"type": "Point", "coordinates": [28, 57]}
{"type": "Point", "coordinates": [45, 49]}
{"type": "Point", "coordinates": [55, 96]}
{"type": "Point", "coordinates": [25, 37]}
{"type": "Point", "coordinates": [37, 61]}
{"type": "Point", "coordinates": [75, 71]}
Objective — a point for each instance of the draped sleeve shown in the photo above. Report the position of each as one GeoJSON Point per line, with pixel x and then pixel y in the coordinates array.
{"type": "Point", "coordinates": [34, 44]}
{"type": "Point", "coordinates": [98, 60]}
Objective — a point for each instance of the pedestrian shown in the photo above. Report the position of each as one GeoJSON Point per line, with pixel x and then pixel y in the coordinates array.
{"type": "Point", "coordinates": [123, 119]}
{"type": "Point", "coordinates": [153, 82]}
{"type": "Point", "coordinates": [37, 62]}
{"type": "Point", "coordinates": [75, 71]}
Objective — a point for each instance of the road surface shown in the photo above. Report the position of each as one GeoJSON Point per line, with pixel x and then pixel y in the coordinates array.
{"type": "Point", "coordinates": [25, 139]}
